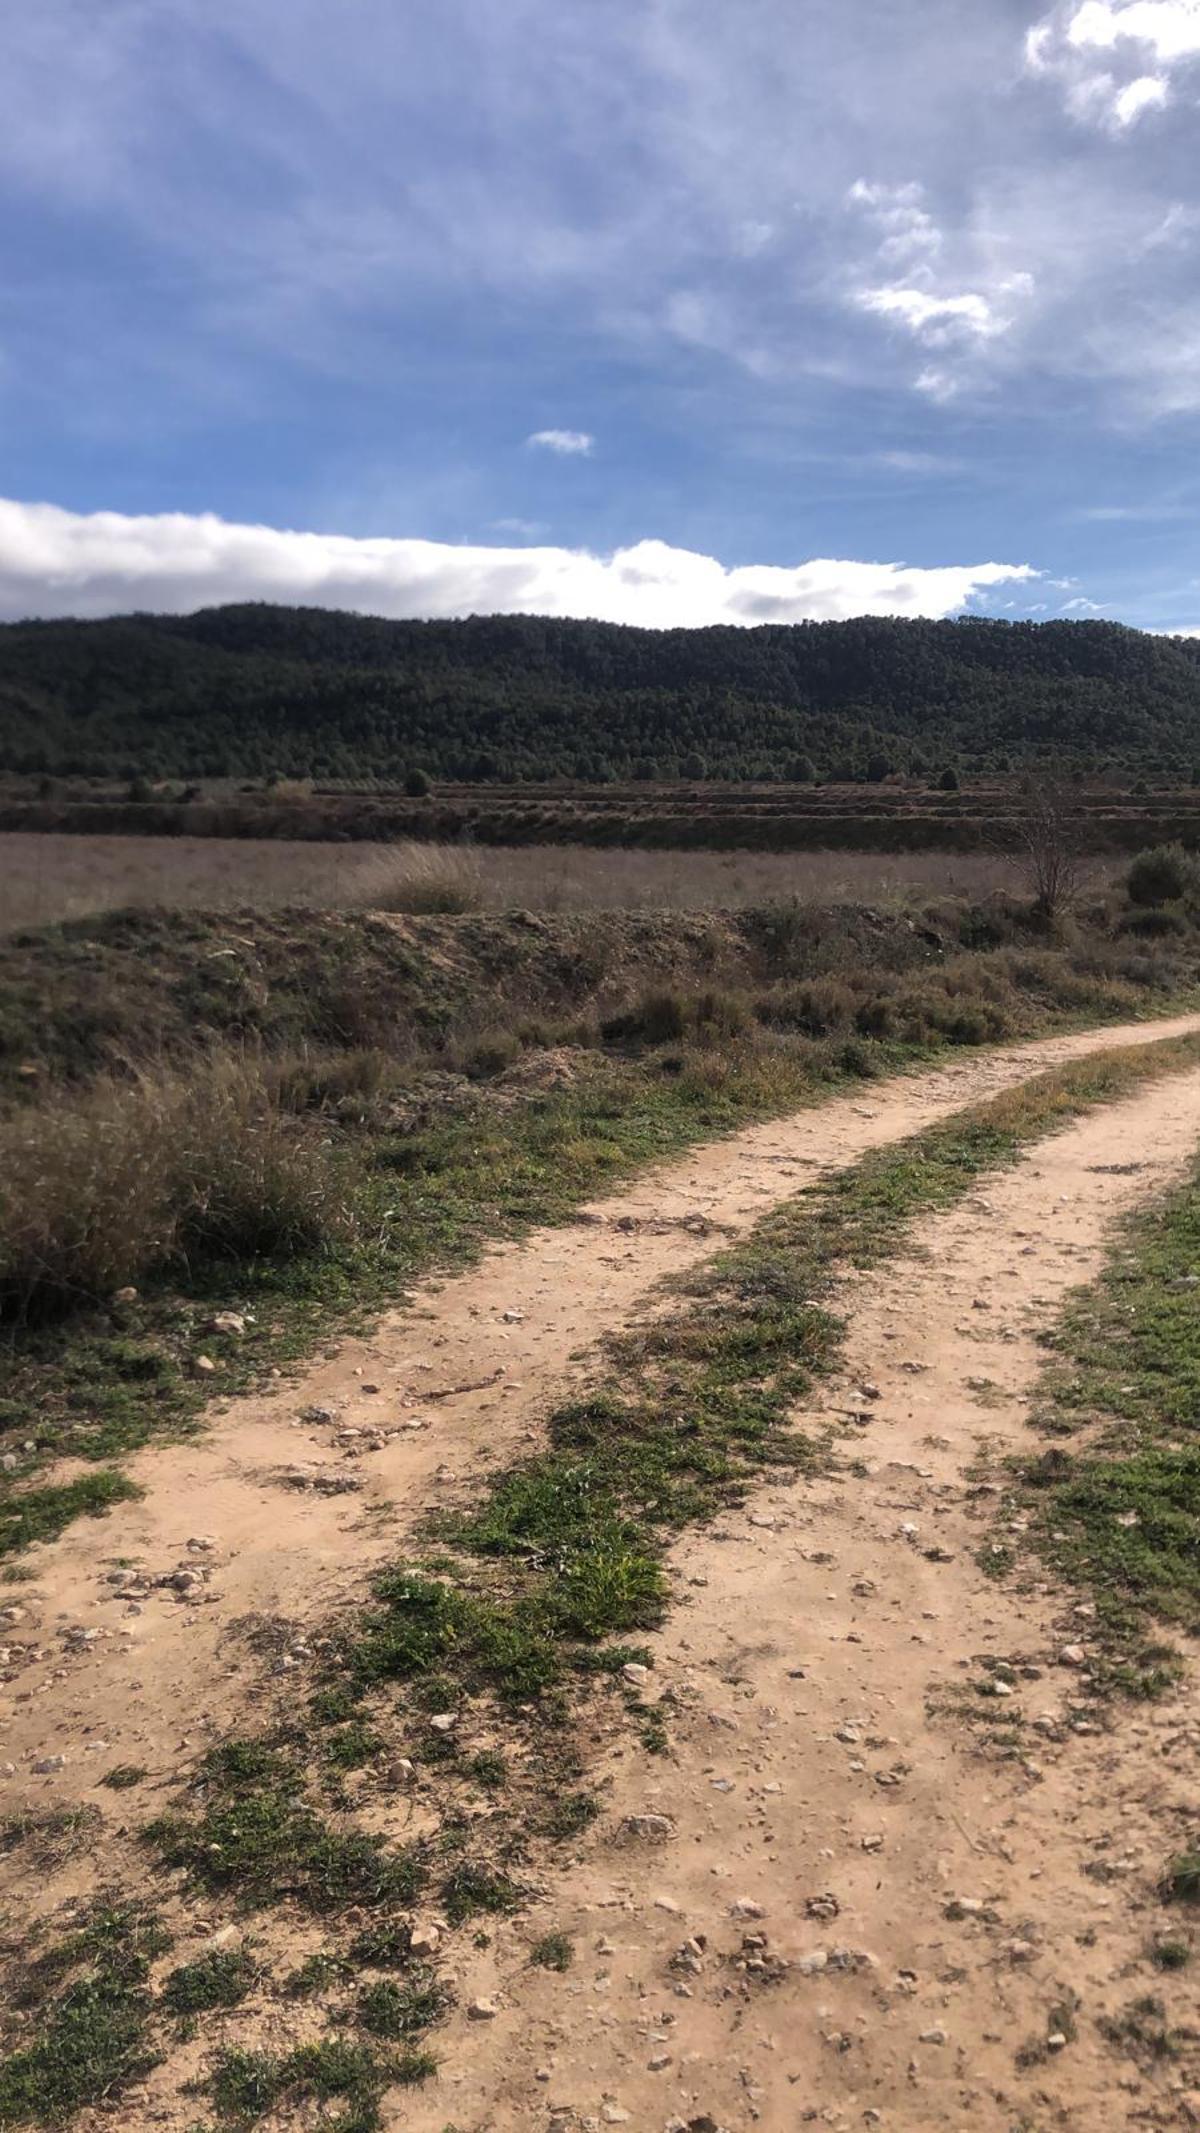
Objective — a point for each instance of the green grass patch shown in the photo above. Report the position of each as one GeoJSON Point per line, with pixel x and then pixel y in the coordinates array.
{"type": "Point", "coordinates": [219, 1979]}
{"type": "Point", "coordinates": [29, 1515]}
{"type": "Point", "coordinates": [255, 1836]}
{"type": "Point", "coordinates": [246, 2085]}
{"type": "Point", "coordinates": [1116, 1498]}
{"type": "Point", "coordinates": [402, 2012]}
{"type": "Point", "coordinates": [93, 2018]}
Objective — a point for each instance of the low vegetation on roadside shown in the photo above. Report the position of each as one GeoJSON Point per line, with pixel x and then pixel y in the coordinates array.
{"type": "Point", "coordinates": [222, 1138]}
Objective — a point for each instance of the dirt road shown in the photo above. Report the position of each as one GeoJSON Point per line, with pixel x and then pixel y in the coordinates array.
{"type": "Point", "coordinates": [819, 1782]}
{"type": "Point", "coordinates": [941, 1905]}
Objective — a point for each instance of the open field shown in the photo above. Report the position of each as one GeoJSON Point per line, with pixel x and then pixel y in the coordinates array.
{"type": "Point", "coordinates": [980, 815]}
{"type": "Point", "coordinates": [45, 878]}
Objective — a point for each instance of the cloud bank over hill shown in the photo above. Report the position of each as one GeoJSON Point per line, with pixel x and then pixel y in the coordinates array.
{"type": "Point", "coordinates": [55, 562]}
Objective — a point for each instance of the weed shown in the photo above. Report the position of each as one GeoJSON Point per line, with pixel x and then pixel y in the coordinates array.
{"type": "Point", "coordinates": [1181, 1883]}
{"type": "Point", "coordinates": [554, 1951]}
{"type": "Point", "coordinates": [471, 1889]}
{"type": "Point", "coordinates": [123, 1776]}
{"type": "Point", "coordinates": [220, 1979]}
{"type": "Point", "coordinates": [402, 2012]}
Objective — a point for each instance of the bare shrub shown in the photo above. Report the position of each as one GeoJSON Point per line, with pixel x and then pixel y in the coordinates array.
{"type": "Point", "coordinates": [1049, 827]}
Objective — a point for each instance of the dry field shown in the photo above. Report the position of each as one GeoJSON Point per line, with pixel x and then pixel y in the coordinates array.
{"type": "Point", "coordinates": [47, 877]}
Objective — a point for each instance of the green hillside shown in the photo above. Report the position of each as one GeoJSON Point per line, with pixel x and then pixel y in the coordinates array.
{"type": "Point", "coordinates": [251, 691]}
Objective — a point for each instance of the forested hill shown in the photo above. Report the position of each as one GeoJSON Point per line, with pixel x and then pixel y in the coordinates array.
{"type": "Point", "coordinates": [251, 691]}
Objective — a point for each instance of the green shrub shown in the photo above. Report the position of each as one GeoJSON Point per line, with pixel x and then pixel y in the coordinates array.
{"type": "Point", "coordinates": [1161, 875]}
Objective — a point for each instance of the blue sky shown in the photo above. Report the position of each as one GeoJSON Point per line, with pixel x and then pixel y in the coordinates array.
{"type": "Point", "coordinates": [666, 309]}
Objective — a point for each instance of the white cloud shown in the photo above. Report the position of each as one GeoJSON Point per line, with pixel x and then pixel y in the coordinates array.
{"type": "Point", "coordinates": [1118, 89]}
{"type": "Point", "coordinates": [56, 562]}
{"type": "Point", "coordinates": [933, 319]}
{"type": "Point", "coordinates": [569, 444]}
{"type": "Point", "coordinates": [959, 291]}
{"type": "Point", "coordinates": [1148, 93]}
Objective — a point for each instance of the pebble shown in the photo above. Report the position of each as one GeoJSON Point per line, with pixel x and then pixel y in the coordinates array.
{"type": "Point", "coordinates": [482, 2011]}
{"type": "Point", "coordinates": [425, 1940]}
{"type": "Point", "coordinates": [204, 1366]}
{"type": "Point", "coordinates": [932, 2036]}
{"type": "Point", "coordinates": [443, 1721]}
{"type": "Point", "coordinates": [47, 1763]}
{"type": "Point", "coordinates": [1072, 1655]}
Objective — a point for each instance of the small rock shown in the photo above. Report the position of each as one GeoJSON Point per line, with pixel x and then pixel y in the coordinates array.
{"type": "Point", "coordinates": [224, 1937]}
{"type": "Point", "coordinates": [482, 2011]}
{"type": "Point", "coordinates": [1072, 1655]}
{"type": "Point", "coordinates": [204, 1366]}
{"type": "Point", "coordinates": [824, 1907]}
{"type": "Point", "coordinates": [201, 1544]}
{"type": "Point", "coordinates": [745, 1908]}
{"type": "Point", "coordinates": [1056, 2041]}
{"type": "Point", "coordinates": [613, 2115]}
{"type": "Point", "coordinates": [127, 1295]}
{"type": "Point", "coordinates": [635, 1674]}
{"type": "Point", "coordinates": [226, 1322]}
{"type": "Point", "coordinates": [317, 1414]}
{"type": "Point", "coordinates": [652, 1829]}
{"type": "Point", "coordinates": [1020, 1951]}
{"type": "Point", "coordinates": [932, 2036]}
{"type": "Point", "coordinates": [425, 1940]}
{"type": "Point", "coordinates": [443, 1721]}
{"type": "Point", "coordinates": [48, 1763]}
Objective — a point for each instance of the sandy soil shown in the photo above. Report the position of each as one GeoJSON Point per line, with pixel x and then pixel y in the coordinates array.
{"type": "Point", "coordinates": [813, 1615]}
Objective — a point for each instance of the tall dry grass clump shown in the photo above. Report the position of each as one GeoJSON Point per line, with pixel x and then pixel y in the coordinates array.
{"type": "Point", "coordinates": [100, 1189]}
{"type": "Point", "coordinates": [423, 880]}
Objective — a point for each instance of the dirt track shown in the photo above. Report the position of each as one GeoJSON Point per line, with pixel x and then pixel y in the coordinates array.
{"type": "Point", "coordinates": [769, 1805]}
{"type": "Point", "coordinates": [828, 1678]}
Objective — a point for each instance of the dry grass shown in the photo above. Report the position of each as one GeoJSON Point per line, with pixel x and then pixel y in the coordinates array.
{"type": "Point", "coordinates": [97, 1190]}
{"type": "Point", "coordinates": [45, 878]}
